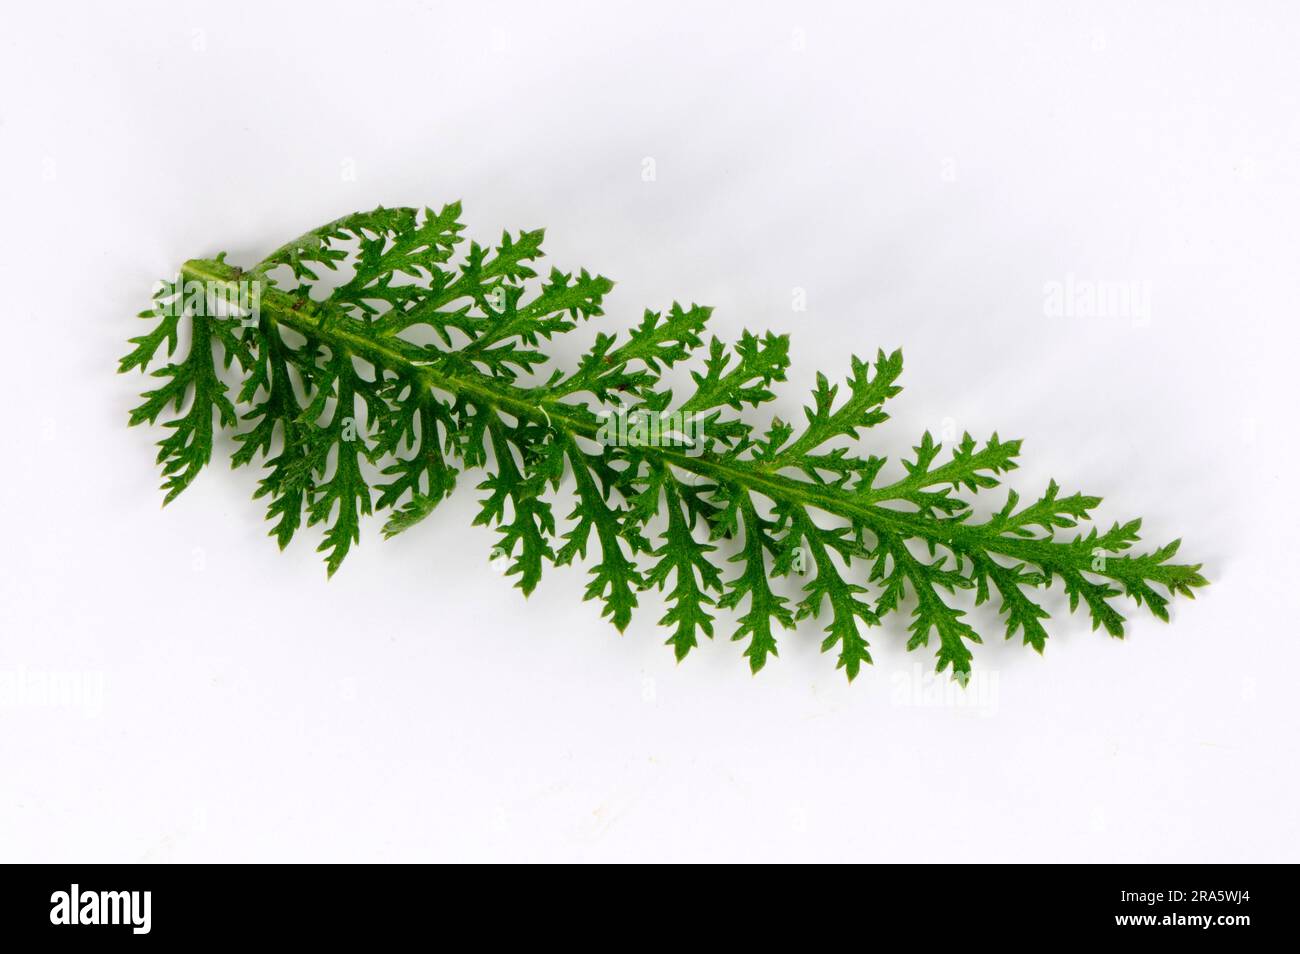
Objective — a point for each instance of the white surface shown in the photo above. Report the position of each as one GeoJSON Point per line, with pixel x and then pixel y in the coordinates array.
{"type": "Point", "coordinates": [923, 171]}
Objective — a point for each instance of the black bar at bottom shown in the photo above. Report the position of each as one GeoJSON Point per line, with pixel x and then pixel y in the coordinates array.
{"type": "Point", "coordinates": [131, 904]}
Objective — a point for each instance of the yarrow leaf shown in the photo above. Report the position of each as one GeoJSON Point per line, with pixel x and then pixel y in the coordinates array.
{"type": "Point", "coordinates": [375, 364]}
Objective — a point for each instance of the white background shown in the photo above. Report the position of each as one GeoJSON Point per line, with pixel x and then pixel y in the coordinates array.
{"type": "Point", "coordinates": [923, 171]}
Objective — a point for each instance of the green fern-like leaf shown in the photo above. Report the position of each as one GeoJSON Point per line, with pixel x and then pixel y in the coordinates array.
{"type": "Point", "coordinates": [348, 414]}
